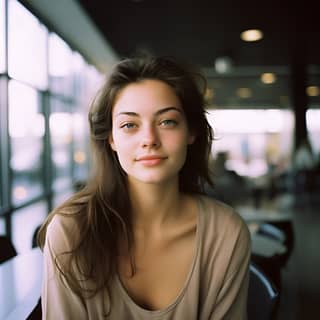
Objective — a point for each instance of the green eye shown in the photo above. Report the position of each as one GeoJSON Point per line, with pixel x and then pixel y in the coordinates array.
{"type": "Point", "coordinates": [128, 125]}
{"type": "Point", "coordinates": [169, 123]}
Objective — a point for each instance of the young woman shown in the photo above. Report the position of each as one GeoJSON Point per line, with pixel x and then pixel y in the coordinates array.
{"type": "Point", "coordinates": [141, 241]}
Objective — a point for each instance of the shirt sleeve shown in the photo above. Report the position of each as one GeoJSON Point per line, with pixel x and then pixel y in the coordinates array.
{"type": "Point", "coordinates": [231, 302]}
{"type": "Point", "coordinates": [57, 299]}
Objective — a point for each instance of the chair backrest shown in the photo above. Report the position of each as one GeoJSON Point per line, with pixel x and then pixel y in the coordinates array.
{"type": "Point", "coordinates": [7, 249]}
{"type": "Point", "coordinates": [272, 232]}
{"type": "Point", "coordinates": [263, 298]}
{"type": "Point", "coordinates": [34, 237]}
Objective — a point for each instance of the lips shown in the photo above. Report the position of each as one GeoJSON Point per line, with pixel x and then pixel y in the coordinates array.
{"type": "Point", "coordinates": [149, 157]}
{"type": "Point", "coordinates": [150, 160]}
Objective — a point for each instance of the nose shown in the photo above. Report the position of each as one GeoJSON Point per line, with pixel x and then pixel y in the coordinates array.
{"type": "Point", "coordinates": [150, 137]}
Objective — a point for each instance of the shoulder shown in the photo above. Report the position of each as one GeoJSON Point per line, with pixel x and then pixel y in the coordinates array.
{"type": "Point", "coordinates": [218, 214]}
{"type": "Point", "coordinates": [225, 239]}
{"type": "Point", "coordinates": [62, 232]}
{"type": "Point", "coordinates": [223, 230]}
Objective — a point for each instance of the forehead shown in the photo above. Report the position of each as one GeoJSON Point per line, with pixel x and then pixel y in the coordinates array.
{"type": "Point", "coordinates": [146, 94]}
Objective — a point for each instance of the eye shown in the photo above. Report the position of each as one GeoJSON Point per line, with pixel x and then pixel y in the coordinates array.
{"type": "Point", "coordinates": [168, 123]}
{"type": "Point", "coordinates": [128, 126]}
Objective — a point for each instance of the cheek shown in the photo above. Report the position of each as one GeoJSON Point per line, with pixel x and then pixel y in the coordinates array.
{"type": "Point", "coordinates": [179, 146]}
{"type": "Point", "coordinates": [123, 148]}
{"type": "Point", "coordinates": [181, 141]}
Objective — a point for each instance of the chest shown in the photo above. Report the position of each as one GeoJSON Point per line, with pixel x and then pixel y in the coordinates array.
{"type": "Point", "coordinates": [161, 272]}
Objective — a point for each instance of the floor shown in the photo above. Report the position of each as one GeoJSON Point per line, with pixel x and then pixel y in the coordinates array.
{"type": "Point", "coordinates": [301, 277]}
{"type": "Point", "coordinates": [300, 299]}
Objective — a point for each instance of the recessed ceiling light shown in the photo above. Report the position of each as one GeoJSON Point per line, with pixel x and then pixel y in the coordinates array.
{"type": "Point", "coordinates": [251, 35]}
{"type": "Point", "coordinates": [244, 93]}
{"type": "Point", "coordinates": [313, 91]}
{"type": "Point", "coordinates": [268, 78]}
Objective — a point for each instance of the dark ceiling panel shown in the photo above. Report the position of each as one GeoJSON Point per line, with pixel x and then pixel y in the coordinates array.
{"type": "Point", "coordinates": [200, 31]}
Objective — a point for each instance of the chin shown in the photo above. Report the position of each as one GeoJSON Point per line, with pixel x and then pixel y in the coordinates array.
{"type": "Point", "coordinates": [156, 179]}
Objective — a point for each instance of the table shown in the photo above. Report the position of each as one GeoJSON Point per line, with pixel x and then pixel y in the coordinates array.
{"type": "Point", "coordinates": [20, 285]}
{"type": "Point", "coordinates": [259, 215]}
{"type": "Point", "coordinates": [265, 246]}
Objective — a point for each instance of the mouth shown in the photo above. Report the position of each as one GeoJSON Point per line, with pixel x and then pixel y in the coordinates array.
{"type": "Point", "coordinates": [151, 160]}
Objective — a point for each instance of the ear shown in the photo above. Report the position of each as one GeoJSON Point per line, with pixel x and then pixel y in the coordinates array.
{"type": "Point", "coordinates": [111, 142]}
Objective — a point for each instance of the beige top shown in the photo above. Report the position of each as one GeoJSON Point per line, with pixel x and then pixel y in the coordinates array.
{"type": "Point", "coordinates": [216, 287]}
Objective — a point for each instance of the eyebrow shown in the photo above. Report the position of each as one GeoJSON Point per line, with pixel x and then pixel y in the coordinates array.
{"type": "Point", "coordinates": [157, 113]}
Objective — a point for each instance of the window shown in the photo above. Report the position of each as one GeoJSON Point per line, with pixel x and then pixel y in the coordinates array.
{"type": "Point", "coordinates": [26, 131]}
{"type": "Point", "coordinates": [80, 145]}
{"type": "Point", "coordinates": [24, 223]}
{"type": "Point", "coordinates": [27, 42]}
{"type": "Point", "coordinates": [2, 225]}
{"type": "Point", "coordinates": [60, 123]}
{"type": "Point", "coordinates": [2, 37]}
{"type": "Point", "coordinates": [46, 89]}
{"type": "Point", "coordinates": [313, 125]}
{"type": "Point", "coordinates": [60, 66]}
{"type": "Point", "coordinates": [257, 139]}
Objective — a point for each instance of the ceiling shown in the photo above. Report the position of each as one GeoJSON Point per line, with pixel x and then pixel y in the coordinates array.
{"type": "Point", "coordinates": [201, 31]}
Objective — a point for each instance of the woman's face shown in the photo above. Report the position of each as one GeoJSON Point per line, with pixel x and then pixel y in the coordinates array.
{"type": "Point", "coordinates": [149, 132]}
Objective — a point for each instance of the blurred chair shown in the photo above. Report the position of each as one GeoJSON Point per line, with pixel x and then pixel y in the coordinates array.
{"type": "Point", "coordinates": [7, 249]}
{"type": "Point", "coordinates": [271, 268]}
{"type": "Point", "coordinates": [286, 228]}
{"type": "Point", "coordinates": [280, 231]}
{"type": "Point", "coordinates": [36, 313]}
{"type": "Point", "coordinates": [272, 231]}
{"type": "Point", "coordinates": [263, 297]}
{"type": "Point", "coordinates": [34, 237]}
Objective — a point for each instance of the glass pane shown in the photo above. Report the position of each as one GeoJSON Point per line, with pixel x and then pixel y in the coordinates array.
{"type": "Point", "coordinates": [60, 66]}
{"type": "Point", "coordinates": [2, 38]}
{"type": "Point", "coordinates": [24, 223]}
{"type": "Point", "coordinates": [80, 146]}
{"type": "Point", "coordinates": [27, 46]}
{"type": "Point", "coordinates": [94, 82]}
{"type": "Point", "coordinates": [87, 80]}
{"type": "Point", "coordinates": [2, 226]}
{"type": "Point", "coordinates": [313, 125]}
{"type": "Point", "coordinates": [60, 122]}
{"type": "Point", "coordinates": [258, 139]}
{"type": "Point", "coordinates": [26, 130]}
{"type": "Point", "coordinates": [78, 66]}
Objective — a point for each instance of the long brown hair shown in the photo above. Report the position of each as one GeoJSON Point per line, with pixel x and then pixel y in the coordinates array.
{"type": "Point", "coordinates": [102, 209]}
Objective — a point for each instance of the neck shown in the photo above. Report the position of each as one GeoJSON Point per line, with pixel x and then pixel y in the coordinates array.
{"type": "Point", "coordinates": [153, 204]}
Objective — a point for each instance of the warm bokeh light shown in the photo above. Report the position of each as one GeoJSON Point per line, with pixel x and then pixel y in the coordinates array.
{"type": "Point", "coordinates": [209, 94]}
{"type": "Point", "coordinates": [20, 192]}
{"type": "Point", "coordinates": [313, 91]}
{"type": "Point", "coordinates": [79, 157]}
{"type": "Point", "coordinates": [244, 93]}
{"type": "Point", "coordinates": [251, 35]}
{"type": "Point", "coordinates": [268, 78]}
